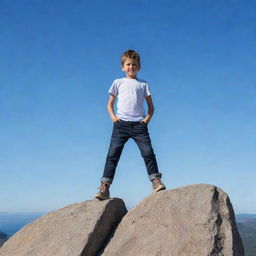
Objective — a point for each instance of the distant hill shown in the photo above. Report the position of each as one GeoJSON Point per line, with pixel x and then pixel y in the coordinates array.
{"type": "Point", "coordinates": [10, 223]}
{"type": "Point", "coordinates": [3, 238]}
{"type": "Point", "coordinates": [246, 224]}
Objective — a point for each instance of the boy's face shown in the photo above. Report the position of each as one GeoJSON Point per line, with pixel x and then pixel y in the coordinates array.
{"type": "Point", "coordinates": [131, 67]}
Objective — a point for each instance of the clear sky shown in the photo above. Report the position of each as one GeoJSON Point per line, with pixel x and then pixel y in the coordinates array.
{"type": "Point", "coordinates": [57, 62]}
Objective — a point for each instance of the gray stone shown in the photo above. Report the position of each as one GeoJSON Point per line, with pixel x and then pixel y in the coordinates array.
{"type": "Point", "coordinates": [78, 229]}
{"type": "Point", "coordinates": [196, 220]}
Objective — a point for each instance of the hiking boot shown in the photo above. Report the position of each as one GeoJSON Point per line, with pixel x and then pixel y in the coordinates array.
{"type": "Point", "coordinates": [157, 185]}
{"type": "Point", "coordinates": [103, 194]}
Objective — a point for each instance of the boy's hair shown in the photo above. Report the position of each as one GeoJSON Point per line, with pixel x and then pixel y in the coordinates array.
{"type": "Point", "coordinates": [130, 54]}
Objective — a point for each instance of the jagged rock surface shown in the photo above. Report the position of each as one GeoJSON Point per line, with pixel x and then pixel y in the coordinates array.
{"type": "Point", "coordinates": [78, 229]}
{"type": "Point", "coordinates": [196, 220]}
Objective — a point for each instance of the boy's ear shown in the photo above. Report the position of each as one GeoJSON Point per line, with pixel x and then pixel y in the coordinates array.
{"type": "Point", "coordinates": [122, 67]}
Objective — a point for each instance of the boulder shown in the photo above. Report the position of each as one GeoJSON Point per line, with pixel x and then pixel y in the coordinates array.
{"type": "Point", "coordinates": [78, 229]}
{"type": "Point", "coordinates": [195, 220]}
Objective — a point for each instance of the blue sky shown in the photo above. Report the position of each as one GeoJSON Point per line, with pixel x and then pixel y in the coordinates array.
{"type": "Point", "coordinates": [58, 60]}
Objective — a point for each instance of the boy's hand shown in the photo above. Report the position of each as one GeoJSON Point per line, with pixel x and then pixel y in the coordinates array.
{"type": "Point", "coordinates": [115, 119]}
{"type": "Point", "coordinates": [146, 120]}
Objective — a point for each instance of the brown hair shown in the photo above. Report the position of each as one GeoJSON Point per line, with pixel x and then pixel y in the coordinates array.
{"type": "Point", "coordinates": [130, 54]}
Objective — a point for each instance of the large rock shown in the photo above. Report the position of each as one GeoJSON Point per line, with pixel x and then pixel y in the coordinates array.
{"type": "Point", "coordinates": [195, 220]}
{"type": "Point", "coordinates": [78, 229]}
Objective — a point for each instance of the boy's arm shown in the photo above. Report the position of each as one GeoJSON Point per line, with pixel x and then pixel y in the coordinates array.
{"type": "Point", "coordinates": [111, 102]}
{"type": "Point", "coordinates": [150, 109]}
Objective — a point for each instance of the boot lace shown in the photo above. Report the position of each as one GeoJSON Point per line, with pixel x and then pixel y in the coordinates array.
{"type": "Point", "coordinates": [156, 181]}
{"type": "Point", "coordinates": [103, 187]}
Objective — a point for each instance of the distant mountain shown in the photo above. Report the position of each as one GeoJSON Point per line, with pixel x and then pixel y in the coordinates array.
{"type": "Point", "coordinates": [246, 224]}
{"type": "Point", "coordinates": [10, 223]}
{"type": "Point", "coordinates": [3, 238]}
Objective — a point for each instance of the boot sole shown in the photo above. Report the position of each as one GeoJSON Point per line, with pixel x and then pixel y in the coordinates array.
{"type": "Point", "coordinates": [160, 188]}
{"type": "Point", "coordinates": [101, 198]}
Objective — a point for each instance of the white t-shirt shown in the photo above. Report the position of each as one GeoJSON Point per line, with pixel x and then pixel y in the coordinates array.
{"type": "Point", "coordinates": [130, 97]}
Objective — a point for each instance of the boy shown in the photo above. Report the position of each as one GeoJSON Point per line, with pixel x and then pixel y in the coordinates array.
{"type": "Point", "coordinates": [130, 122]}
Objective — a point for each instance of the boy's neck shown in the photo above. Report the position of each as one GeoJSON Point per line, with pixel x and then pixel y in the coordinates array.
{"type": "Point", "coordinates": [129, 77]}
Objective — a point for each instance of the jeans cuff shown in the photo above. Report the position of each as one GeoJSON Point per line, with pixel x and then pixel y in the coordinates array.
{"type": "Point", "coordinates": [155, 175]}
{"type": "Point", "coordinates": [106, 179]}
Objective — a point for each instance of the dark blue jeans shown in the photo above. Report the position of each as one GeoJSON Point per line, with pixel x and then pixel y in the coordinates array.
{"type": "Point", "coordinates": [122, 132]}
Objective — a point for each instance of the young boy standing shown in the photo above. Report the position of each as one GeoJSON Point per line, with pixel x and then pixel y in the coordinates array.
{"type": "Point", "coordinates": [130, 121]}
